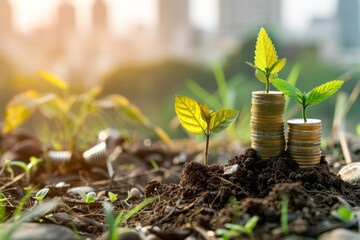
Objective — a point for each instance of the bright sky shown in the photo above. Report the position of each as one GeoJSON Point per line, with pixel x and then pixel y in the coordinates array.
{"type": "Point", "coordinates": [297, 14]}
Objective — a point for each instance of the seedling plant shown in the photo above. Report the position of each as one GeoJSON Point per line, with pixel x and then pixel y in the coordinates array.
{"type": "Point", "coordinates": [266, 62]}
{"type": "Point", "coordinates": [313, 97]}
{"type": "Point", "coordinates": [34, 161]}
{"type": "Point", "coordinates": [87, 197]}
{"type": "Point", "coordinates": [198, 119]}
{"type": "Point", "coordinates": [112, 196]}
{"type": "Point", "coordinates": [118, 221]}
{"type": "Point", "coordinates": [71, 111]}
{"type": "Point", "coordinates": [40, 195]}
{"type": "Point", "coordinates": [233, 230]}
{"type": "Point", "coordinates": [344, 214]}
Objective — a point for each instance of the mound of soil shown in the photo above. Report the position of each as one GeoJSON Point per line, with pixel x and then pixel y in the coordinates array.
{"type": "Point", "coordinates": [202, 199]}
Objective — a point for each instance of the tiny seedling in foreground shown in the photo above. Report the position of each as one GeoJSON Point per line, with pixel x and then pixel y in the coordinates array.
{"type": "Point", "coordinates": [284, 214]}
{"type": "Point", "coordinates": [112, 197]}
{"type": "Point", "coordinates": [115, 222]}
{"type": "Point", "coordinates": [266, 64]}
{"type": "Point", "coordinates": [232, 230]}
{"type": "Point", "coordinates": [40, 195]}
{"type": "Point", "coordinates": [87, 197]}
{"type": "Point", "coordinates": [343, 213]}
{"type": "Point", "coordinates": [197, 119]}
{"type": "Point", "coordinates": [34, 161]}
{"type": "Point", "coordinates": [313, 97]}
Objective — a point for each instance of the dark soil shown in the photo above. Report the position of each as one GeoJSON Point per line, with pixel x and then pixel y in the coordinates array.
{"type": "Point", "coordinates": [202, 197]}
{"type": "Point", "coordinates": [194, 199]}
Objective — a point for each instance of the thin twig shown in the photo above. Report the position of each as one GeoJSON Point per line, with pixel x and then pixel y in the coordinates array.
{"type": "Point", "coordinates": [344, 147]}
{"type": "Point", "coordinates": [14, 180]}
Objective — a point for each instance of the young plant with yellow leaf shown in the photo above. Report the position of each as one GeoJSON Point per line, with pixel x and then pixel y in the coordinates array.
{"type": "Point", "coordinates": [197, 118]}
{"type": "Point", "coordinates": [267, 108]}
{"type": "Point", "coordinates": [266, 64]}
{"type": "Point", "coordinates": [71, 111]}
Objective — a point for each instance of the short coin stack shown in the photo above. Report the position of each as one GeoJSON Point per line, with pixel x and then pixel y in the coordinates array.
{"type": "Point", "coordinates": [304, 140]}
{"type": "Point", "coordinates": [267, 124]}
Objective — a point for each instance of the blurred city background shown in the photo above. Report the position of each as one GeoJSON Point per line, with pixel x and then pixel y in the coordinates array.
{"type": "Point", "coordinates": [151, 50]}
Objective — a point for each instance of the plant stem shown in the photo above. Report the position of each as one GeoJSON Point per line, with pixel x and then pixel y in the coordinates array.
{"type": "Point", "coordinates": [304, 113]}
{"type": "Point", "coordinates": [267, 84]}
{"type": "Point", "coordinates": [206, 152]}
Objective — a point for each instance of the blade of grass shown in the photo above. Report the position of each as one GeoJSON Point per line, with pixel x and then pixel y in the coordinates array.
{"type": "Point", "coordinates": [221, 83]}
{"type": "Point", "coordinates": [139, 207]}
{"type": "Point", "coordinates": [203, 94]}
{"type": "Point", "coordinates": [21, 204]}
{"type": "Point", "coordinates": [292, 78]}
{"type": "Point", "coordinates": [38, 210]}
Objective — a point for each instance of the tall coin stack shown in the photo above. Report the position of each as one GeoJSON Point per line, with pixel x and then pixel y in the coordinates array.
{"type": "Point", "coordinates": [304, 141]}
{"type": "Point", "coordinates": [267, 124]}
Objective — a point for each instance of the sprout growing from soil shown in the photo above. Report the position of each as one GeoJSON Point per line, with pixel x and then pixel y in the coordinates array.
{"type": "Point", "coordinates": [112, 196]}
{"type": "Point", "coordinates": [197, 118]}
{"type": "Point", "coordinates": [233, 230]}
{"type": "Point", "coordinates": [266, 62]}
{"type": "Point", "coordinates": [313, 97]}
{"type": "Point", "coordinates": [87, 197]}
{"type": "Point", "coordinates": [40, 195]}
{"type": "Point", "coordinates": [34, 161]}
{"type": "Point", "coordinates": [343, 213]}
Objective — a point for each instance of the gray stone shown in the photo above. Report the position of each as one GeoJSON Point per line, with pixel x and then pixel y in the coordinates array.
{"type": "Point", "coordinates": [351, 172]}
{"type": "Point", "coordinates": [36, 231]}
{"type": "Point", "coordinates": [340, 234]}
{"type": "Point", "coordinates": [229, 170]}
{"type": "Point", "coordinates": [123, 234]}
{"type": "Point", "coordinates": [85, 189]}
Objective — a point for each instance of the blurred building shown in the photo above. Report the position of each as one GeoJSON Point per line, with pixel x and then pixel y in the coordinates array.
{"type": "Point", "coordinates": [5, 18]}
{"type": "Point", "coordinates": [237, 17]}
{"type": "Point", "coordinates": [99, 17]}
{"type": "Point", "coordinates": [349, 23]}
{"type": "Point", "coordinates": [174, 29]}
{"type": "Point", "coordinates": [66, 19]}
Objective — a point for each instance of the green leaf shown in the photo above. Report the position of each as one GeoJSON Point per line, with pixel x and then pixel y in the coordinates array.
{"type": "Point", "coordinates": [322, 92]}
{"type": "Point", "coordinates": [190, 115]}
{"type": "Point", "coordinates": [265, 53]}
{"type": "Point", "coordinates": [288, 89]}
{"type": "Point", "coordinates": [19, 164]}
{"type": "Point", "coordinates": [260, 76]}
{"type": "Point", "coordinates": [278, 65]}
{"type": "Point", "coordinates": [250, 225]}
{"type": "Point", "coordinates": [54, 80]}
{"type": "Point", "coordinates": [343, 213]}
{"type": "Point", "coordinates": [236, 227]}
{"type": "Point", "coordinates": [221, 119]}
{"type": "Point", "coordinates": [41, 194]}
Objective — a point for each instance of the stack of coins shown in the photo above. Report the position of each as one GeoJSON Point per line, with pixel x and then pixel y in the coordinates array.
{"type": "Point", "coordinates": [304, 140]}
{"type": "Point", "coordinates": [267, 124]}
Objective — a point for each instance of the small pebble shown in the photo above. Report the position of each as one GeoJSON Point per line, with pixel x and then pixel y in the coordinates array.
{"type": "Point", "coordinates": [351, 172]}
{"type": "Point", "coordinates": [85, 189]}
{"type": "Point", "coordinates": [340, 234]}
{"type": "Point", "coordinates": [228, 170]}
{"type": "Point", "coordinates": [135, 192]}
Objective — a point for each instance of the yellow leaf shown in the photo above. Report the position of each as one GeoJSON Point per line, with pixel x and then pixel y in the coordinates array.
{"type": "Point", "coordinates": [19, 109]}
{"type": "Point", "coordinates": [265, 53]}
{"type": "Point", "coordinates": [14, 117]}
{"type": "Point", "coordinates": [205, 112]}
{"type": "Point", "coordinates": [278, 66]}
{"type": "Point", "coordinates": [190, 115]}
{"type": "Point", "coordinates": [54, 80]}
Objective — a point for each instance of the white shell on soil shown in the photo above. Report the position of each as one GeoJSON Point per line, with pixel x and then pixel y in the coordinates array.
{"type": "Point", "coordinates": [351, 172]}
